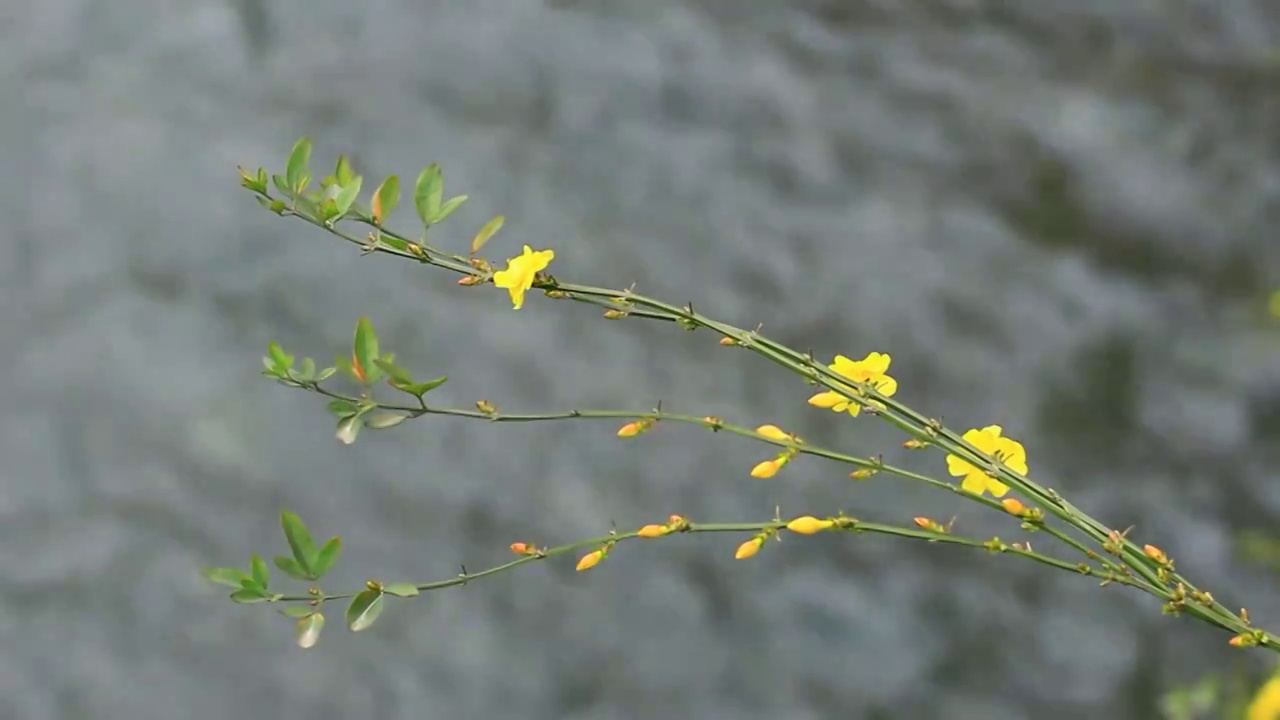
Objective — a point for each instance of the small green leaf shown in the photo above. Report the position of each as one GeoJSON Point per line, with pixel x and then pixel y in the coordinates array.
{"type": "Point", "coordinates": [348, 195]}
{"type": "Point", "coordinates": [309, 628]}
{"type": "Point", "coordinates": [428, 192]}
{"type": "Point", "coordinates": [401, 589]}
{"type": "Point", "coordinates": [393, 371]}
{"type": "Point", "coordinates": [394, 243]}
{"type": "Point", "coordinates": [231, 577]}
{"type": "Point", "coordinates": [261, 573]}
{"type": "Point", "coordinates": [325, 374]}
{"type": "Point", "coordinates": [342, 172]}
{"type": "Point", "coordinates": [290, 567]}
{"type": "Point", "coordinates": [282, 184]}
{"type": "Point", "coordinates": [490, 228]}
{"type": "Point", "coordinates": [385, 199]}
{"type": "Point", "coordinates": [384, 420]}
{"type": "Point", "coordinates": [423, 388]}
{"type": "Point", "coordinates": [295, 532]}
{"type": "Point", "coordinates": [328, 555]}
{"type": "Point", "coordinates": [299, 157]}
{"type": "Point", "coordinates": [342, 408]}
{"type": "Point", "coordinates": [250, 595]}
{"type": "Point", "coordinates": [308, 370]}
{"type": "Point", "coordinates": [364, 610]}
{"type": "Point", "coordinates": [281, 360]}
{"type": "Point", "coordinates": [364, 350]}
{"type": "Point", "coordinates": [344, 363]}
{"type": "Point", "coordinates": [297, 611]}
{"type": "Point", "coordinates": [348, 429]}
{"type": "Point", "coordinates": [447, 209]}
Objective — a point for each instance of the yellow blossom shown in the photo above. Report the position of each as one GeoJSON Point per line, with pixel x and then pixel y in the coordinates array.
{"type": "Point", "coordinates": [766, 469]}
{"type": "Point", "coordinates": [989, 441]}
{"type": "Point", "coordinates": [749, 548]}
{"type": "Point", "coordinates": [773, 432]}
{"type": "Point", "coordinates": [808, 525]}
{"type": "Point", "coordinates": [1266, 703]}
{"type": "Point", "coordinates": [653, 531]}
{"type": "Point", "coordinates": [521, 269]}
{"type": "Point", "coordinates": [590, 560]}
{"type": "Point", "coordinates": [1013, 506]}
{"type": "Point", "coordinates": [870, 370]}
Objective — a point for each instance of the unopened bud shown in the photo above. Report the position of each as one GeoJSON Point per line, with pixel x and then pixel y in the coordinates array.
{"type": "Point", "coordinates": [728, 341]}
{"type": "Point", "coordinates": [749, 548]}
{"type": "Point", "coordinates": [862, 473]}
{"type": "Point", "coordinates": [470, 280]}
{"type": "Point", "coordinates": [590, 560]}
{"type": "Point", "coordinates": [765, 469]}
{"type": "Point", "coordinates": [773, 432]}
{"type": "Point", "coordinates": [808, 525]}
{"type": "Point", "coordinates": [612, 314]}
{"type": "Point", "coordinates": [1156, 554]}
{"type": "Point", "coordinates": [653, 531]}
{"type": "Point", "coordinates": [1013, 506]}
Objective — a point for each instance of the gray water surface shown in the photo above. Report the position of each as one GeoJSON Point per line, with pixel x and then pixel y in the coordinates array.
{"type": "Point", "coordinates": [1058, 220]}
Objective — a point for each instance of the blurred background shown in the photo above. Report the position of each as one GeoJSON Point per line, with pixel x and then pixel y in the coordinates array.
{"type": "Point", "coordinates": [1057, 217]}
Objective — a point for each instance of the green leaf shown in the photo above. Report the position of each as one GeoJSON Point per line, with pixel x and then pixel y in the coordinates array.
{"type": "Point", "coordinates": [308, 370]}
{"type": "Point", "coordinates": [394, 243]}
{"type": "Point", "coordinates": [401, 589]}
{"type": "Point", "coordinates": [385, 199]}
{"type": "Point", "coordinates": [423, 388]}
{"type": "Point", "coordinates": [325, 374]}
{"type": "Point", "coordinates": [261, 573]}
{"type": "Point", "coordinates": [384, 420]}
{"type": "Point", "coordinates": [447, 209]}
{"type": "Point", "coordinates": [297, 611]}
{"type": "Point", "coordinates": [328, 555]}
{"type": "Point", "coordinates": [282, 184]}
{"type": "Point", "coordinates": [348, 195]}
{"type": "Point", "coordinates": [279, 358]}
{"type": "Point", "coordinates": [393, 371]}
{"type": "Point", "coordinates": [299, 157]}
{"type": "Point", "coordinates": [231, 577]}
{"type": "Point", "coordinates": [295, 531]}
{"type": "Point", "coordinates": [490, 228]}
{"type": "Point", "coordinates": [428, 192]}
{"type": "Point", "coordinates": [342, 172]}
{"type": "Point", "coordinates": [309, 628]}
{"type": "Point", "coordinates": [292, 568]}
{"type": "Point", "coordinates": [344, 363]}
{"type": "Point", "coordinates": [348, 429]}
{"type": "Point", "coordinates": [364, 350]}
{"type": "Point", "coordinates": [342, 408]}
{"type": "Point", "coordinates": [364, 610]}
{"type": "Point", "coordinates": [250, 595]}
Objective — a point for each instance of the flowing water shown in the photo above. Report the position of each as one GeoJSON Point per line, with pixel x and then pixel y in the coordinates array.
{"type": "Point", "coordinates": [1058, 220]}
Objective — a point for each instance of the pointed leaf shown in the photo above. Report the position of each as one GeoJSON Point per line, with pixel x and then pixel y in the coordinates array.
{"type": "Point", "coordinates": [427, 193]}
{"type": "Point", "coordinates": [309, 628]}
{"type": "Point", "coordinates": [348, 429]}
{"type": "Point", "coordinates": [486, 232]}
{"type": "Point", "coordinates": [342, 408]}
{"type": "Point", "coordinates": [308, 370]}
{"type": "Point", "coordinates": [250, 595]}
{"type": "Point", "coordinates": [292, 568]}
{"type": "Point", "coordinates": [393, 371]}
{"type": "Point", "coordinates": [401, 589]}
{"type": "Point", "coordinates": [342, 172]}
{"type": "Point", "coordinates": [261, 573]}
{"type": "Point", "coordinates": [282, 184]}
{"type": "Point", "coordinates": [348, 195]}
{"type": "Point", "coordinates": [365, 350]}
{"type": "Point", "coordinates": [297, 611]}
{"type": "Point", "coordinates": [385, 199]}
{"type": "Point", "coordinates": [282, 360]}
{"type": "Point", "coordinates": [384, 420]}
{"type": "Point", "coordinates": [447, 209]}
{"type": "Point", "coordinates": [295, 532]}
{"type": "Point", "coordinates": [364, 610]}
{"type": "Point", "coordinates": [325, 374]}
{"type": "Point", "coordinates": [328, 555]}
{"type": "Point", "coordinates": [231, 577]}
{"type": "Point", "coordinates": [423, 388]}
{"type": "Point", "coordinates": [299, 157]}
{"type": "Point", "coordinates": [344, 364]}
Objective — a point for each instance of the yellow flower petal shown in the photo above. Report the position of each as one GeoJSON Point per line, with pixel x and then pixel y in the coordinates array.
{"type": "Point", "coordinates": [748, 548]}
{"type": "Point", "coordinates": [827, 399]}
{"type": "Point", "coordinates": [590, 560]}
{"type": "Point", "coordinates": [766, 469]}
{"type": "Point", "coordinates": [1266, 703]}
{"type": "Point", "coordinates": [521, 271]}
{"type": "Point", "coordinates": [808, 525]}
{"type": "Point", "coordinates": [773, 432]}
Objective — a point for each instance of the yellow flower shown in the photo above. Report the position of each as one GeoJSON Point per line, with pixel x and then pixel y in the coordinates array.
{"type": "Point", "coordinates": [653, 531]}
{"type": "Point", "coordinates": [870, 370]}
{"type": "Point", "coordinates": [808, 525]}
{"type": "Point", "coordinates": [749, 548]}
{"type": "Point", "coordinates": [521, 269]}
{"type": "Point", "coordinates": [773, 432]}
{"type": "Point", "coordinates": [1266, 704]}
{"type": "Point", "coordinates": [590, 560]}
{"type": "Point", "coordinates": [989, 441]}
{"type": "Point", "coordinates": [766, 469]}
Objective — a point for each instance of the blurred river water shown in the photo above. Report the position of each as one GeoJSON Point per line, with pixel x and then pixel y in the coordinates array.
{"type": "Point", "coordinates": [1057, 217]}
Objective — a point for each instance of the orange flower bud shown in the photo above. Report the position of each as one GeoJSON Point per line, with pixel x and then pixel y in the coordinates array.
{"type": "Point", "coordinates": [631, 429]}
{"type": "Point", "coordinates": [653, 531]}
{"type": "Point", "coordinates": [470, 280]}
{"type": "Point", "coordinates": [1013, 506]}
{"type": "Point", "coordinates": [675, 520]}
{"type": "Point", "coordinates": [766, 469]}
{"type": "Point", "coordinates": [520, 548]}
{"type": "Point", "coordinates": [773, 432]}
{"type": "Point", "coordinates": [915, 444]}
{"type": "Point", "coordinates": [590, 560]}
{"type": "Point", "coordinates": [924, 522]}
{"type": "Point", "coordinates": [728, 341]}
{"type": "Point", "coordinates": [808, 525]}
{"type": "Point", "coordinates": [749, 548]}
{"type": "Point", "coordinates": [1156, 554]}
{"type": "Point", "coordinates": [862, 473]}
{"type": "Point", "coordinates": [612, 314]}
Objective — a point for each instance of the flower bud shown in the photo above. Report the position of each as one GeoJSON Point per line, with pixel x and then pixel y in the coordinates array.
{"type": "Point", "coordinates": [773, 432]}
{"type": "Point", "coordinates": [1156, 554]}
{"type": "Point", "coordinates": [808, 525]}
{"type": "Point", "coordinates": [1013, 506]}
{"type": "Point", "coordinates": [590, 560]}
{"type": "Point", "coordinates": [749, 548]}
{"type": "Point", "coordinates": [765, 469]}
{"type": "Point", "coordinates": [653, 531]}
